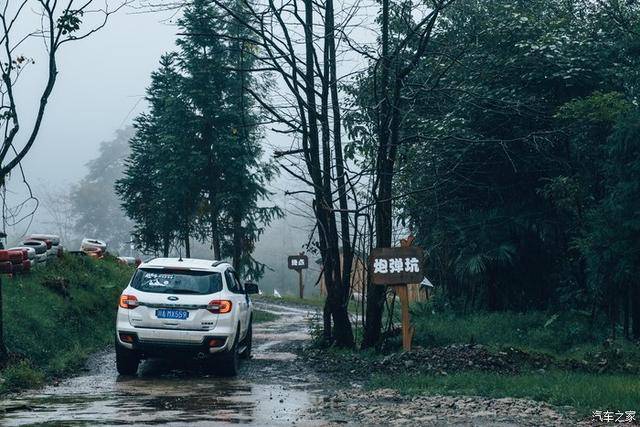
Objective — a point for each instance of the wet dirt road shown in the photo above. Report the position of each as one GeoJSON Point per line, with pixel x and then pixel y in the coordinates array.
{"type": "Point", "coordinates": [271, 389]}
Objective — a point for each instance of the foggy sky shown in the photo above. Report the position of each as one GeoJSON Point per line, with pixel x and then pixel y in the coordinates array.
{"type": "Point", "coordinates": [100, 89]}
{"type": "Point", "coordinates": [100, 82]}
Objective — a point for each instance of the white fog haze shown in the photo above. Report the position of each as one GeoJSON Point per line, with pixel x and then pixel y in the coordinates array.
{"type": "Point", "coordinates": [100, 90]}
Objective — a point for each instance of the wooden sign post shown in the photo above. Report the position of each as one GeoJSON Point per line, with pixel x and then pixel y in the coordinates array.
{"type": "Point", "coordinates": [299, 262]}
{"type": "Point", "coordinates": [397, 267]}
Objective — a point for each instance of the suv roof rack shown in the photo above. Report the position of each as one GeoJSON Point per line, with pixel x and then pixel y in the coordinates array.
{"type": "Point", "coordinates": [217, 263]}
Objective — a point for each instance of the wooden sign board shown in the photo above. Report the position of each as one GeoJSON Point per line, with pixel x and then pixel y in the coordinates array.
{"type": "Point", "coordinates": [396, 266]}
{"type": "Point", "coordinates": [297, 262]}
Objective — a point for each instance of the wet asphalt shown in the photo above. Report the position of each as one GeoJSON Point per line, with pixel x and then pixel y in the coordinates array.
{"type": "Point", "coordinates": [271, 389]}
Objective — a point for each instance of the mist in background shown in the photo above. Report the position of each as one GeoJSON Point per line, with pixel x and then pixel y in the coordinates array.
{"type": "Point", "coordinates": [100, 90]}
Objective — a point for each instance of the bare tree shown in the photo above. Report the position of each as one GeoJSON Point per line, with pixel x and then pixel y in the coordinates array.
{"type": "Point", "coordinates": [296, 39]}
{"type": "Point", "coordinates": [59, 212]}
{"type": "Point", "coordinates": [60, 22]}
{"type": "Point", "coordinates": [399, 57]}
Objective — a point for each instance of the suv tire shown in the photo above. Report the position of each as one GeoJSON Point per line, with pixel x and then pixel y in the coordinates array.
{"type": "Point", "coordinates": [127, 361]}
{"type": "Point", "coordinates": [231, 360]}
{"type": "Point", "coordinates": [246, 343]}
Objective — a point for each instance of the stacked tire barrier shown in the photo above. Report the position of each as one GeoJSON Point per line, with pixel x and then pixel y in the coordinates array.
{"type": "Point", "coordinates": [16, 260]}
{"type": "Point", "coordinates": [35, 249]}
{"type": "Point", "coordinates": [39, 249]}
{"type": "Point", "coordinates": [93, 247]}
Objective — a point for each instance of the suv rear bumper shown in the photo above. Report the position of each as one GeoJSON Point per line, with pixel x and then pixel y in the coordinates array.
{"type": "Point", "coordinates": [164, 348]}
{"type": "Point", "coordinates": [163, 342]}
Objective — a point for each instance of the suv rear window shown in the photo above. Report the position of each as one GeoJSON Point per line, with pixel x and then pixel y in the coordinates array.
{"type": "Point", "coordinates": [167, 281]}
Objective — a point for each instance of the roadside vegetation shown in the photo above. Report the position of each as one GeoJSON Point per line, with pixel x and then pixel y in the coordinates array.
{"type": "Point", "coordinates": [582, 391]}
{"type": "Point", "coordinates": [260, 316]}
{"type": "Point", "coordinates": [568, 334]}
{"type": "Point", "coordinates": [316, 302]}
{"type": "Point", "coordinates": [566, 359]}
{"type": "Point", "coordinates": [579, 365]}
{"type": "Point", "coordinates": [57, 316]}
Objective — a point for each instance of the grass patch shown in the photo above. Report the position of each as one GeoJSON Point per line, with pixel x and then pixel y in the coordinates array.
{"type": "Point", "coordinates": [57, 315]}
{"type": "Point", "coordinates": [260, 316]}
{"type": "Point", "coordinates": [566, 335]}
{"type": "Point", "coordinates": [585, 392]}
{"type": "Point", "coordinates": [316, 302]}
{"type": "Point", "coordinates": [21, 375]}
{"type": "Point", "coordinates": [561, 336]}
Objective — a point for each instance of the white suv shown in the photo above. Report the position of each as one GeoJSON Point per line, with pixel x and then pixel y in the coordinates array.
{"type": "Point", "coordinates": [184, 308]}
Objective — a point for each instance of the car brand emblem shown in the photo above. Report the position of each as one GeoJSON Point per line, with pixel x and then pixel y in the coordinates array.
{"type": "Point", "coordinates": [172, 298]}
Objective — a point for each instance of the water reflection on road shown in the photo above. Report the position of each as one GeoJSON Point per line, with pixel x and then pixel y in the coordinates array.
{"type": "Point", "coordinates": [270, 389]}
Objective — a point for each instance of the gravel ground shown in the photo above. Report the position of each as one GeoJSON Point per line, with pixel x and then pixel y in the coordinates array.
{"type": "Point", "coordinates": [354, 406]}
{"type": "Point", "coordinates": [346, 373]}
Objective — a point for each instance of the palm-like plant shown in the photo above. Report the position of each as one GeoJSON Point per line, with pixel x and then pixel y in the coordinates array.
{"type": "Point", "coordinates": [484, 249]}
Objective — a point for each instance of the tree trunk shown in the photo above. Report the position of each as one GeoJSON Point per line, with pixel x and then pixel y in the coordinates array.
{"type": "Point", "coordinates": [613, 315]}
{"type": "Point", "coordinates": [383, 213]}
{"type": "Point", "coordinates": [635, 309]}
{"type": "Point", "coordinates": [626, 312]}
{"type": "Point", "coordinates": [3, 349]}
{"type": "Point", "coordinates": [320, 177]}
{"type": "Point", "coordinates": [237, 241]}
{"type": "Point", "coordinates": [376, 293]}
{"type": "Point", "coordinates": [493, 297]}
{"type": "Point", "coordinates": [326, 322]}
{"type": "Point", "coordinates": [208, 151]}
{"type": "Point", "coordinates": [345, 229]}
{"type": "Point", "coordinates": [165, 246]}
{"type": "Point", "coordinates": [342, 333]}
{"type": "Point", "coordinates": [215, 237]}
{"type": "Point", "coordinates": [187, 246]}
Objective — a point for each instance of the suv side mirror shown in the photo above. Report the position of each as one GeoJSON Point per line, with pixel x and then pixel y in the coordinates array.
{"type": "Point", "coordinates": [250, 288]}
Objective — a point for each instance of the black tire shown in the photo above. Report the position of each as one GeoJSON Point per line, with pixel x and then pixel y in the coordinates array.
{"type": "Point", "coordinates": [246, 343]}
{"type": "Point", "coordinates": [127, 361]}
{"type": "Point", "coordinates": [231, 360]}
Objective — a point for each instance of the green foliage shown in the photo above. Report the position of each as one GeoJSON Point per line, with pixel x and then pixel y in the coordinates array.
{"type": "Point", "coordinates": [20, 376]}
{"type": "Point", "coordinates": [261, 316]}
{"type": "Point", "coordinates": [159, 189]}
{"type": "Point", "coordinates": [585, 392]}
{"type": "Point", "coordinates": [195, 169]}
{"type": "Point", "coordinates": [69, 22]}
{"type": "Point", "coordinates": [55, 317]}
{"type": "Point", "coordinates": [563, 334]}
{"type": "Point", "coordinates": [596, 108]}
{"type": "Point", "coordinates": [518, 155]}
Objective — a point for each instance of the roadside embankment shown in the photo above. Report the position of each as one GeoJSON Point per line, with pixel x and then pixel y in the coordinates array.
{"type": "Point", "coordinates": [56, 316]}
{"type": "Point", "coordinates": [486, 367]}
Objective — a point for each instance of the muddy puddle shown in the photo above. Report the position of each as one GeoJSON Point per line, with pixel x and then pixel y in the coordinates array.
{"type": "Point", "coordinates": [271, 389]}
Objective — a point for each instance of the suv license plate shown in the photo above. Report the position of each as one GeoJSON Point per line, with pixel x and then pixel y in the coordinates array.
{"type": "Point", "coordinates": [167, 313]}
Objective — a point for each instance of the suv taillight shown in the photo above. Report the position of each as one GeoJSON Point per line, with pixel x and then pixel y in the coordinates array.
{"type": "Point", "coordinates": [128, 301]}
{"type": "Point", "coordinates": [219, 306]}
